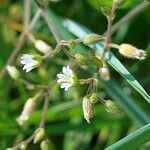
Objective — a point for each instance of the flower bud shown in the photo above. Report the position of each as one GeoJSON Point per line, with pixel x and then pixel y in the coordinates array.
{"type": "Point", "coordinates": [104, 73]}
{"type": "Point", "coordinates": [39, 134]}
{"type": "Point", "coordinates": [94, 98]}
{"type": "Point", "coordinates": [112, 108]}
{"type": "Point", "coordinates": [130, 51]}
{"type": "Point", "coordinates": [87, 109]}
{"type": "Point", "coordinates": [71, 44]}
{"type": "Point", "coordinates": [23, 146]}
{"type": "Point", "coordinates": [42, 46]}
{"type": "Point", "coordinates": [28, 108]}
{"type": "Point", "coordinates": [13, 72]}
{"type": "Point", "coordinates": [44, 145]}
{"type": "Point", "coordinates": [91, 38]}
{"type": "Point", "coordinates": [81, 59]}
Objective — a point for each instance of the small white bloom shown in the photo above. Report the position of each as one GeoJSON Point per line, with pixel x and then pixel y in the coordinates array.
{"type": "Point", "coordinates": [13, 72]}
{"type": "Point", "coordinates": [30, 61]}
{"type": "Point", "coordinates": [42, 46]}
{"type": "Point", "coordinates": [67, 78]}
{"type": "Point", "coordinates": [28, 108]}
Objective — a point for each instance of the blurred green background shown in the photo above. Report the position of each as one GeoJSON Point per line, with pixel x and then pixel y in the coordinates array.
{"type": "Point", "coordinates": [65, 127]}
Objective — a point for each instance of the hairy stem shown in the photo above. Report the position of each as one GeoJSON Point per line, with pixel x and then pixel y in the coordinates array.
{"type": "Point", "coordinates": [108, 32]}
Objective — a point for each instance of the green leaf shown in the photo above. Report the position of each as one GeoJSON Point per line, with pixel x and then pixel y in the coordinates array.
{"type": "Point", "coordinates": [134, 140]}
{"type": "Point", "coordinates": [80, 31]}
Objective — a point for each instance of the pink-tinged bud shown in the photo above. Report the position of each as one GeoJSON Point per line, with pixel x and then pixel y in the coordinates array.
{"type": "Point", "coordinates": [130, 51]}
{"type": "Point", "coordinates": [87, 109]}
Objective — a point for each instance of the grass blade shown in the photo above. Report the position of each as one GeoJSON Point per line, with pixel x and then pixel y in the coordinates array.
{"type": "Point", "coordinates": [134, 140]}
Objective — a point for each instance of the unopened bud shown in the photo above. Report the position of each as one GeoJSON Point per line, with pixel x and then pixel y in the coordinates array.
{"type": "Point", "coordinates": [130, 51]}
{"type": "Point", "coordinates": [23, 146]}
{"type": "Point", "coordinates": [94, 98]}
{"type": "Point", "coordinates": [87, 109]}
{"type": "Point", "coordinates": [71, 44]}
{"type": "Point", "coordinates": [28, 108]}
{"type": "Point", "coordinates": [88, 60]}
{"type": "Point", "coordinates": [39, 134]}
{"type": "Point", "coordinates": [104, 73]}
{"type": "Point", "coordinates": [42, 46]}
{"type": "Point", "coordinates": [44, 145]}
{"type": "Point", "coordinates": [81, 59]}
{"type": "Point", "coordinates": [112, 108]}
{"type": "Point", "coordinates": [13, 72]}
{"type": "Point", "coordinates": [91, 38]}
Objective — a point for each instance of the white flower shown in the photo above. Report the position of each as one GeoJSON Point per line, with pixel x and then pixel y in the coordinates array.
{"type": "Point", "coordinates": [13, 72]}
{"type": "Point", "coordinates": [67, 78]}
{"type": "Point", "coordinates": [42, 46]}
{"type": "Point", "coordinates": [30, 61]}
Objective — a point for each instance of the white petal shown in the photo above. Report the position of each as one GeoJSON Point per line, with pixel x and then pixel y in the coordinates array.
{"type": "Point", "coordinates": [61, 76]}
{"type": "Point", "coordinates": [66, 88]}
{"type": "Point", "coordinates": [64, 70]}
{"type": "Point", "coordinates": [63, 85]}
{"type": "Point", "coordinates": [63, 81]}
{"type": "Point", "coordinates": [69, 72]}
{"type": "Point", "coordinates": [29, 69]}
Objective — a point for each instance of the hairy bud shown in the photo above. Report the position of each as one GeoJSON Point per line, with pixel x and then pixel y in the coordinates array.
{"type": "Point", "coordinates": [41, 46]}
{"type": "Point", "coordinates": [91, 38]}
{"type": "Point", "coordinates": [23, 146]}
{"type": "Point", "coordinates": [112, 108]}
{"type": "Point", "coordinates": [13, 72]}
{"type": "Point", "coordinates": [28, 108]}
{"type": "Point", "coordinates": [130, 51]}
{"type": "Point", "coordinates": [81, 59]}
{"type": "Point", "coordinates": [104, 73]}
{"type": "Point", "coordinates": [87, 109]}
{"type": "Point", "coordinates": [44, 145]}
{"type": "Point", "coordinates": [71, 44]}
{"type": "Point", "coordinates": [39, 134]}
{"type": "Point", "coordinates": [94, 98]}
